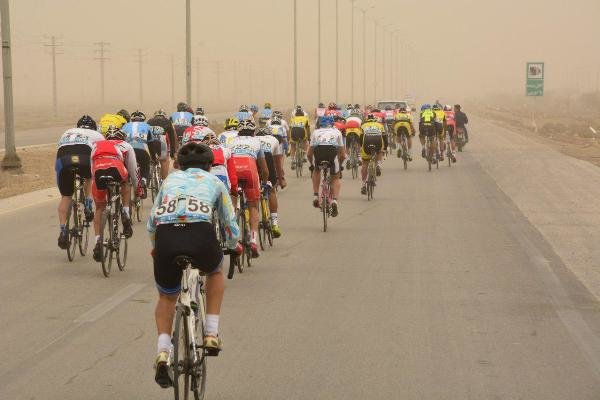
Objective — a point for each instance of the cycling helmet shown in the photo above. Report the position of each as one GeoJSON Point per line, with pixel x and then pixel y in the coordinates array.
{"type": "Point", "coordinates": [87, 122]}
{"type": "Point", "coordinates": [138, 116]}
{"type": "Point", "coordinates": [276, 120]}
{"type": "Point", "coordinates": [299, 111]}
{"type": "Point", "coordinates": [244, 107]}
{"type": "Point", "coordinates": [349, 106]}
{"type": "Point", "coordinates": [231, 123]}
{"type": "Point", "coordinates": [246, 128]}
{"type": "Point", "coordinates": [278, 113]}
{"type": "Point", "coordinates": [371, 118]}
{"type": "Point", "coordinates": [182, 107]}
{"type": "Point", "coordinates": [426, 107]}
{"type": "Point", "coordinates": [123, 113]}
{"type": "Point", "coordinates": [267, 105]}
{"type": "Point", "coordinates": [254, 108]}
{"type": "Point", "coordinates": [356, 112]}
{"type": "Point", "coordinates": [327, 120]}
{"type": "Point", "coordinates": [199, 120]}
{"type": "Point", "coordinates": [457, 106]}
{"type": "Point", "coordinates": [196, 155]}
{"type": "Point", "coordinates": [114, 133]}
{"type": "Point", "coordinates": [402, 109]}
{"type": "Point", "coordinates": [357, 106]}
{"type": "Point", "coordinates": [263, 131]}
{"type": "Point", "coordinates": [447, 107]}
{"type": "Point", "coordinates": [332, 106]}
{"type": "Point", "coordinates": [211, 139]}
{"type": "Point", "coordinates": [160, 112]}
{"type": "Point", "coordinates": [436, 107]}
{"type": "Point", "coordinates": [199, 111]}
{"type": "Point", "coordinates": [321, 105]}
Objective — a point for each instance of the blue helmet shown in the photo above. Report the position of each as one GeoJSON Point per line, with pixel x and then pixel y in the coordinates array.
{"type": "Point", "coordinates": [326, 120]}
{"type": "Point", "coordinates": [426, 107]}
{"type": "Point", "coordinates": [254, 108]}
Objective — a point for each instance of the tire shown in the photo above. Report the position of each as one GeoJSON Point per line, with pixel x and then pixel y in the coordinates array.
{"type": "Point", "coordinates": [72, 237]}
{"type": "Point", "coordinates": [181, 345]}
{"type": "Point", "coordinates": [198, 378]}
{"type": "Point", "coordinates": [325, 212]}
{"type": "Point", "coordinates": [242, 224]}
{"type": "Point", "coordinates": [105, 233]}
{"type": "Point", "coordinates": [232, 265]}
{"type": "Point", "coordinates": [122, 253]}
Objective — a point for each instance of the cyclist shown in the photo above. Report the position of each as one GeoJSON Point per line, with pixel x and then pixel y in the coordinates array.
{"type": "Point", "coordinates": [254, 111]}
{"type": "Point", "coordinates": [265, 115]}
{"type": "Point", "coordinates": [197, 131]}
{"type": "Point", "coordinates": [113, 157]}
{"type": "Point", "coordinates": [373, 135]}
{"type": "Point", "coordinates": [231, 131]}
{"type": "Point", "coordinates": [182, 119]}
{"type": "Point", "coordinates": [426, 125]}
{"type": "Point", "coordinates": [440, 127]}
{"type": "Point", "coordinates": [319, 112]}
{"type": "Point", "coordinates": [139, 133]}
{"type": "Point", "coordinates": [165, 142]}
{"type": "Point", "coordinates": [117, 120]}
{"type": "Point", "coordinates": [199, 111]}
{"type": "Point", "coordinates": [223, 165]}
{"type": "Point", "coordinates": [327, 144]}
{"type": "Point", "coordinates": [244, 113]}
{"type": "Point", "coordinates": [248, 155]}
{"type": "Point", "coordinates": [180, 224]}
{"type": "Point", "coordinates": [332, 110]}
{"type": "Point", "coordinates": [404, 122]}
{"type": "Point", "coordinates": [451, 129]}
{"type": "Point", "coordinates": [353, 132]}
{"type": "Point", "coordinates": [347, 111]}
{"type": "Point", "coordinates": [74, 149]}
{"type": "Point", "coordinates": [277, 128]}
{"type": "Point", "coordinates": [461, 120]}
{"type": "Point", "coordinates": [274, 159]}
{"type": "Point", "coordinates": [299, 133]}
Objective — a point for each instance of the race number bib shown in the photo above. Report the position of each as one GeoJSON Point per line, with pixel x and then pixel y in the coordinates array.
{"type": "Point", "coordinates": [186, 205]}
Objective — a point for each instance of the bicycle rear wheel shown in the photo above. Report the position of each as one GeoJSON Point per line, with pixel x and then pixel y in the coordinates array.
{"type": "Point", "coordinates": [105, 239]}
{"type": "Point", "coordinates": [242, 224]}
{"type": "Point", "coordinates": [325, 212]}
{"type": "Point", "coordinates": [181, 355]}
{"type": "Point", "coordinates": [71, 228]}
{"type": "Point", "coordinates": [198, 373]}
{"type": "Point", "coordinates": [84, 226]}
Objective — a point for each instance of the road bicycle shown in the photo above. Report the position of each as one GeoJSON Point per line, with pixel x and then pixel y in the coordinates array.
{"type": "Point", "coordinates": [325, 198]}
{"type": "Point", "coordinates": [354, 156]}
{"type": "Point", "coordinates": [114, 242]}
{"type": "Point", "coordinates": [431, 151]}
{"type": "Point", "coordinates": [265, 229]}
{"type": "Point", "coordinates": [220, 234]}
{"type": "Point", "coordinates": [460, 138]}
{"type": "Point", "coordinates": [371, 172]}
{"type": "Point", "coordinates": [403, 148]}
{"type": "Point", "coordinates": [299, 158]}
{"type": "Point", "coordinates": [391, 137]}
{"type": "Point", "coordinates": [243, 219]}
{"type": "Point", "coordinates": [77, 226]}
{"type": "Point", "coordinates": [448, 144]}
{"type": "Point", "coordinates": [135, 202]}
{"type": "Point", "coordinates": [155, 178]}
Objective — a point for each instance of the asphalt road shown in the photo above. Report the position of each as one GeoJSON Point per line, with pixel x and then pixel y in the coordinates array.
{"type": "Point", "coordinates": [440, 288]}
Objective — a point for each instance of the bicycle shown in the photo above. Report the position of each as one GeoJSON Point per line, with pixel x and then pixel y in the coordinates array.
{"type": "Point", "coordinates": [220, 234]}
{"type": "Point", "coordinates": [79, 228]}
{"type": "Point", "coordinates": [326, 195]}
{"type": "Point", "coordinates": [243, 219]}
{"type": "Point", "coordinates": [155, 178]}
{"type": "Point", "coordinates": [113, 241]}
{"type": "Point", "coordinates": [135, 202]}
{"type": "Point", "coordinates": [371, 172]}
{"type": "Point", "coordinates": [448, 144]}
{"type": "Point", "coordinates": [353, 159]}
{"type": "Point", "coordinates": [431, 151]}
{"type": "Point", "coordinates": [391, 136]}
{"type": "Point", "coordinates": [265, 232]}
{"type": "Point", "coordinates": [299, 159]}
{"type": "Point", "coordinates": [403, 149]}
{"type": "Point", "coordinates": [460, 138]}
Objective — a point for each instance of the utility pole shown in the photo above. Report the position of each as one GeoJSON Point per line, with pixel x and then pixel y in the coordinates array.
{"type": "Point", "coordinates": [53, 46]}
{"type": "Point", "coordinates": [337, 52]}
{"type": "Point", "coordinates": [352, 54]}
{"type": "Point", "coordinates": [172, 79]}
{"type": "Point", "coordinates": [319, 57]}
{"type": "Point", "coordinates": [141, 74]}
{"type": "Point", "coordinates": [295, 53]}
{"type": "Point", "coordinates": [101, 51]}
{"type": "Point", "coordinates": [188, 52]}
{"type": "Point", "coordinates": [375, 61]}
{"type": "Point", "coordinates": [364, 51]}
{"type": "Point", "coordinates": [11, 160]}
{"type": "Point", "coordinates": [197, 81]}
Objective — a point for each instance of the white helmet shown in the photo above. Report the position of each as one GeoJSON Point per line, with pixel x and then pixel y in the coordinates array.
{"type": "Point", "coordinates": [199, 120]}
{"type": "Point", "coordinates": [447, 107]}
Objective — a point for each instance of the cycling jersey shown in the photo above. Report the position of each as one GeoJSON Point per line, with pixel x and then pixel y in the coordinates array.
{"type": "Point", "coordinates": [450, 118]}
{"type": "Point", "coordinates": [270, 144]}
{"type": "Point", "coordinates": [182, 118]}
{"type": "Point", "coordinates": [299, 128]}
{"type": "Point", "coordinates": [267, 113]}
{"type": "Point", "coordinates": [326, 137]}
{"type": "Point", "coordinates": [108, 120]}
{"type": "Point", "coordinates": [427, 117]}
{"type": "Point", "coordinates": [299, 122]}
{"type": "Point", "coordinates": [138, 134]}
{"type": "Point", "coordinates": [372, 136]}
{"type": "Point", "coordinates": [224, 167]}
{"type": "Point", "coordinates": [243, 115]}
{"type": "Point", "coordinates": [226, 137]}
{"type": "Point", "coordinates": [161, 121]}
{"type": "Point", "coordinates": [278, 131]}
{"type": "Point", "coordinates": [246, 146]}
{"type": "Point", "coordinates": [195, 134]}
{"type": "Point", "coordinates": [246, 150]}
{"type": "Point", "coordinates": [461, 119]}
{"type": "Point", "coordinates": [74, 149]}
{"type": "Point", "coordinates": [83, 136]}
{"type": "Point", "coordinates": [440, 116]}
{"type": "Point", "coordinates": [404, 119]}
{"type": "Point", "coordinates": [191, 196]}
{"type": "Point", "coordinates": [115, 158]}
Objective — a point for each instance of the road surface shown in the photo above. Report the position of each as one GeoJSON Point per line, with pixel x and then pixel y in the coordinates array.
{"type": "Point", "coordinates": [455, 284]}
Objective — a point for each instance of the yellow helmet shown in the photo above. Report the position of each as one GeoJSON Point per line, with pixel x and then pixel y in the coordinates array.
{"type": "Point", "coordinates": [231, 123]}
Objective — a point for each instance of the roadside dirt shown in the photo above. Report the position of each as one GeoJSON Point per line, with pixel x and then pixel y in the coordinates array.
{"type": "Point", "coordinates": [37, 172]}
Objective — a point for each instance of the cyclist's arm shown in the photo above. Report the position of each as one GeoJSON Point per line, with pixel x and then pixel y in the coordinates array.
{"type": "Point", "coordinates": [227, 217]}
{"type": "Point", "coordinates": [151, 225]}
{"type": "Point", "coordinates": [341, 149]}
{"type": "Point", "coordinates": [131, 164]}
{"type": "Point", "coordinates": [263, 170]}
{"type": "Point", "coordinates": [172, 139]}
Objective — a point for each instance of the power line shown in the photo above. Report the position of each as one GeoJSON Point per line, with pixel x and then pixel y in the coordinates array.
{"type": "Point", "coordinates": [101, 50]}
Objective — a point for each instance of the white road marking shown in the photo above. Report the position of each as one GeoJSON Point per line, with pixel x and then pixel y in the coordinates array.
{"type": "Point", "coordinates": [99, 310]}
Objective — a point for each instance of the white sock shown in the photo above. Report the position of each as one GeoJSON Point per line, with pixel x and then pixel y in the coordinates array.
{"type": "Point", "coordinates": [211, 325]}
{"type": "Point", "coordinates": [274, 217]}
{"type": "Point", "coordinates": [97, 238]}
{"type": "Point", "coordinates": [164, 342]}
{"type": "Point", "coordinates": [253, 237]}
{"type": "Point", "coordinates": [126, 211]}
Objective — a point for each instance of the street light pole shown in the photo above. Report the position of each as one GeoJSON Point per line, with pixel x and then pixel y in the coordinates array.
{"type": "Point", "coordinates": [319, 57]}
{"type": "Point", "coordinates": [11, 159]}
{"type": "Point", "coordinates": [352, 54]}
{"type": "Point", "coordinates": [364, 51]}
{"type": "Point", "coordinates": [337, 52]}
{"type": "Point", "coordinates": [188, 52]}
{"type": "Point", "coordinates": [295, 54]}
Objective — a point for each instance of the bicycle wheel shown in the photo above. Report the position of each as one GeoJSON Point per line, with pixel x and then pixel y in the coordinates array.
{"type": "Point", "coordinates": [198, 372]}
{"type": "Point", "coordinates": [181, 355]}
{"type": "Point", "coordinates": [71, 228]}
{"type": "Point", "coordinates": [105, 239]}
{"type": "Point", "coordinates": [324, 210]}
{"type": "Point", "coordinates": [242, 225]}
{"type": "Point", "coordinates": [84, 226]}
{"type": "Point", "coordinates": [298, 161]}
{"type": "Point", "coordinates": [449, 155]}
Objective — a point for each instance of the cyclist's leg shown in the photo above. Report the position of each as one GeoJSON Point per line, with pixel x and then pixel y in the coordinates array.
{"type": "Point", "coordinates": [164, 157]}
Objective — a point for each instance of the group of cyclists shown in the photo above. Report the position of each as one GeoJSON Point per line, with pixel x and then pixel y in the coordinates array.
{"type": "Point", "coordinates": [203, 172]}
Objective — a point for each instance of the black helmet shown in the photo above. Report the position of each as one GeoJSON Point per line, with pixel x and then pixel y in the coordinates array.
{"type": "Point", "coordinates": [114, 133]}
{"type": "Point", "coordinates": [182, 107]}
{"type": "Point", "coordinates": [160, 112]}
{"type": "Point", "coordinates": [195, 155]}
{"type": "Point", "coordinates": [321, 105]}
{"type": "Point", "coordinates": [357, 105]}
{"type": "Point", "coordinates": [138, 116]}
{"type": "Point", "coordinates": [123, 113]}
{"type": "Point", "coordinates": [87, 122]}
{"type": "Point", "coordinates": [200, 111]}
{"type": "Point", "coordinates": [263, 131]}
{"type": "Point", "coordinates": [246, 128]}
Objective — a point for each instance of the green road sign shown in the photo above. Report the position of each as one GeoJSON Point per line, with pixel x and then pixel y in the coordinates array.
{"type": "Point", "coordinates": [535, 79]}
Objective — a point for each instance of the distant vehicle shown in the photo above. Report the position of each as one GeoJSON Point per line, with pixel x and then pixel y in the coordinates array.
{"type": "Point", "coordinates": [383, 104]}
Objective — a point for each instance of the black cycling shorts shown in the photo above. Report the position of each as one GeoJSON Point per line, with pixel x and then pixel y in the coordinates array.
{"type": "Point", "coordinates": [179, 129]}
{"type": "Point", "coordinates": [426, 130]}
{"type": "Point", "coordinates": [197, 240]}
{"type": "Point", "coordinates": [372, 140]}
{"type": "Point", "coordinates": [70, 158]}
{"type": "Point", "coordinates": [327, 153]}
{"type": "Point", "coordinates": [298, 134]}
{"type": "Point", "coordinates": [143, 161]}
{"type": "Point", "coordinates": [271, 167]}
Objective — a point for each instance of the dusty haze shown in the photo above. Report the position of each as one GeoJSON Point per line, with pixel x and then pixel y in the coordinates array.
{"type": "Point", "coordinates": [460, 48]}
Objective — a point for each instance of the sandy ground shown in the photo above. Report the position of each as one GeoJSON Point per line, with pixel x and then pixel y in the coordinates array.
{"type": "Point", "coordinates": [37, 172]}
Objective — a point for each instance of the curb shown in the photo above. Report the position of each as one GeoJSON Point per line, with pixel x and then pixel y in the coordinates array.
{"type": "Point", "coordinates": [21, 201]}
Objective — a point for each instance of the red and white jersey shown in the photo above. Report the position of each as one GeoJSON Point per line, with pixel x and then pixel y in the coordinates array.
{"type": "Point", "coordinates": [224, 166]}
{"type": "Point", "coordinates": [333, 113]}
{"type": "Point", "coordinates": [450, 118]}
{"type": "Point", "coordinates": [116, 150]}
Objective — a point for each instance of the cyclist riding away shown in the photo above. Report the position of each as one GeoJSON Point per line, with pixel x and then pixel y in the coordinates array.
{"type": "Point", "coordinates": [461, 120]}
{"type": "Point", "coordinates": [231, 131]}
{"type": "Point", "coordinates": [299, 133]}
{"type": "Point", "coordinates": [319, 112]}
{"type": "Point", "coordinates": [440, 128]}
{"type": "Point", "coordinates": [373, 135]}
{"type": "Point", "coordinates": [353, 132]}
{"type": "Point", "coordinates": [165, 141]}
{"type": "Point", "coordinates": [74, 149]}
{"type": "Point", "coordinates": [139, 134]}
{"type": "Point", "coordinates": [426, 125]}
{"type": "Point", "coordinates": [451, 128]}
{"type": "Point", "coordinates": [182, 119]}
{"type": "Point", "coordinates": [244, 113]}
{"type": "Point", "coordinates": [265, 115]}
{"type": "Point", "coordinates": [112, 157]}
{"type": "Point", "coordinates": [180, 224]}
{"type": "Point", "coordinates": [117, 120]}
{"type": "Point", "coordinates": [248, 155]}
{"type": "Point", "coordinates": [274, 158]}
{"type": "Point", "coordinates": [197, 131]}
{"type": "Point", "coordinates": [199, 111]}
{"type": "Point", "coordinates": [404, 126]}
{"type": "Point", "coordinates": [327, 144]}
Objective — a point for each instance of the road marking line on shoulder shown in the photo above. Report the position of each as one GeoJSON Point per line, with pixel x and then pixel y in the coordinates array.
{"type": "Point", "coordinates": [101, 309]}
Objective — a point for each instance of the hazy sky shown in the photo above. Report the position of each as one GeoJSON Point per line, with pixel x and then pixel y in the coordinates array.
{"type": "Point", "coordinates": [460, 48]}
